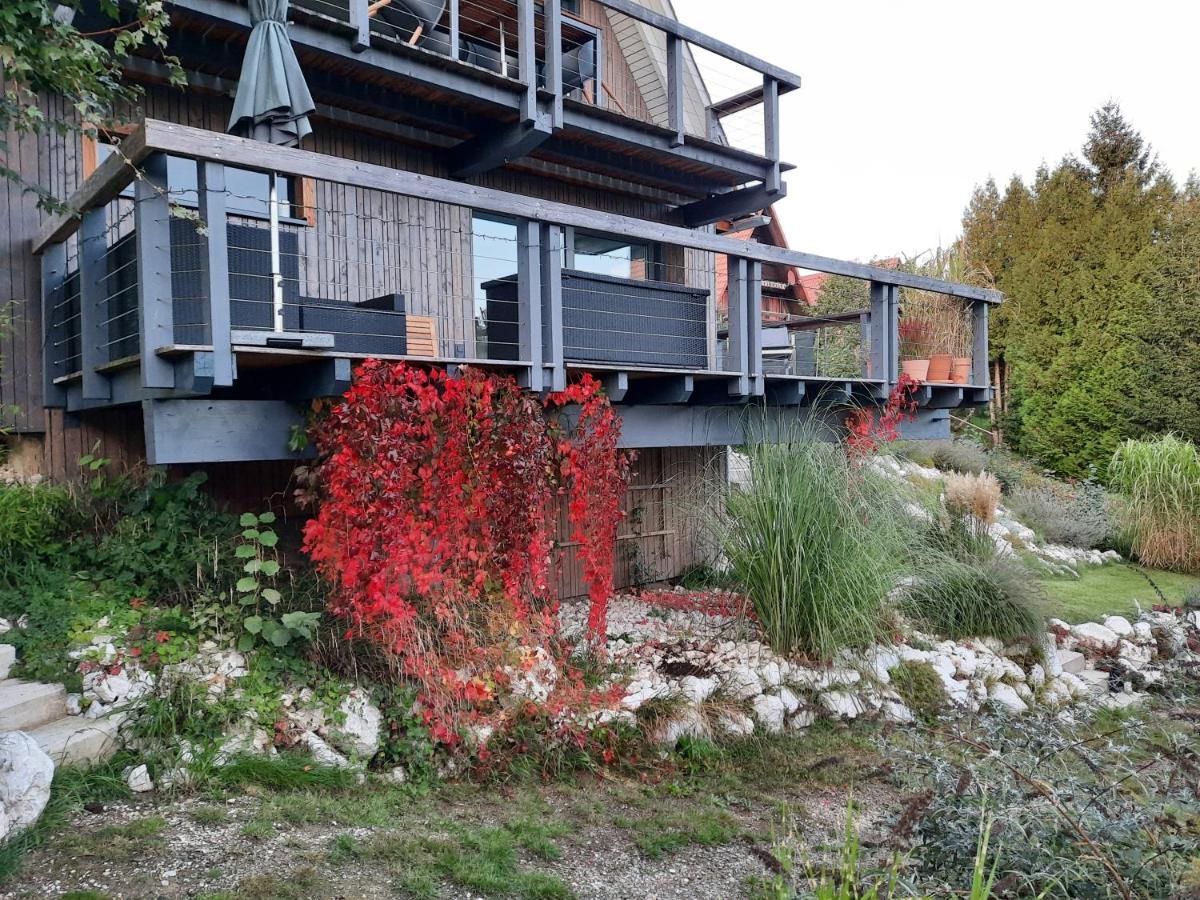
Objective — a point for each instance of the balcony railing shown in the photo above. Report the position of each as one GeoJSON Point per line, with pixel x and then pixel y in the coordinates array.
{"type": "Point", "coordinates": [271, 257]}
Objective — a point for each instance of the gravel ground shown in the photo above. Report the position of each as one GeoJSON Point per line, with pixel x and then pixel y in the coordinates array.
{"type": "Point", "coordinates": [200, 847]}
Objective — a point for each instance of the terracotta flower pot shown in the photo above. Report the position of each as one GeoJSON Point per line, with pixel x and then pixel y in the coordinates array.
{"type": "Point", "coordinates": [939, 367]}
{"type": "Point", "coordinates": [917, 369]}
{"type": "Point", "coordinates": [960, 370]}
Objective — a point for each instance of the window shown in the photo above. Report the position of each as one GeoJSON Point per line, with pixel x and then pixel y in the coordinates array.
{"type": "Point", "coordinates": [617, 257]}
{"type": "Point", "coordinates": [494, 271]}
{"type": "Point", "coordinates": [248, 192]}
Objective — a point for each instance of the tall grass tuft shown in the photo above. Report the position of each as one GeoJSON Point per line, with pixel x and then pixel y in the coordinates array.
{"type": "Point", "coordinates": [965, 586]}
{"type": "Point", "coordinates": [814, 544]}
{"type": "Point", "coordinates": [1160, 481]}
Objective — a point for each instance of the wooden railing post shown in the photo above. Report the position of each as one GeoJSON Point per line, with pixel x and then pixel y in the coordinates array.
{"type": "Point", "coordinates": [527, 59]}
{"type": "Point", "coordinates": [93, 312]}
{"type": "Point", "coordinates": [879, 355]}
{"type": "Point", "coordinates": [774, 181]}
{"type": "Point", "coordinates": [552, 12]}
{"type": "Point", "coordinates": [980, 373]}
{"type": "Point", "coordinates": [552, 306]}
{"type": "Point", "coordinates": [214, 277]}
{"type": "Point", "coordinates": [675, 88]}
{"type": "Point", "coordinates": [529, 303]}
{"type": "Point", "coordinates": [152, 234]}
{"type": "Point", "coordinates": [54, 278]}
{"type": "Point", "coordinates": [360, 22]}
{"type": "Point", "coordinates": [455, 33]}
{"type": "Point", "coordinates": [754, 370]}
{"type": "Point", "coordinates": [737, 350]}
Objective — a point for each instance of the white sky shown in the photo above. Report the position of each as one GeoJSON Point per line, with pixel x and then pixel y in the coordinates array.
{"type": "Point", "coordinates": [906, 106]}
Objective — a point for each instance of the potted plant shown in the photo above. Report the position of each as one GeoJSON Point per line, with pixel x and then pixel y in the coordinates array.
{"type": "Point", "coordinates": [914, 348]}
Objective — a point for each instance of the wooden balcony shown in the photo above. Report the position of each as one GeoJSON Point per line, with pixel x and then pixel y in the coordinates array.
{"type": "Point", "coordinates": [210, 297]}
{"type": "Point", "coordinates": [610, 93]}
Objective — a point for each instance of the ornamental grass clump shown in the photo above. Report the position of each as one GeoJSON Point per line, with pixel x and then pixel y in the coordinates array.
{"type": "Point", "coordinates": [813, 543]}
{"type": "Point", "coordinates": [974, 495]}
{"type": "Point", "coordinates": [1160, 481]}
{"type": "Point", "coordinates": [966, 586]}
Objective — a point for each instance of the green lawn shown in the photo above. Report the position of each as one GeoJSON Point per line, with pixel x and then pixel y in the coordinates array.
{"type": "Point", "coordinates": [1111, 590]}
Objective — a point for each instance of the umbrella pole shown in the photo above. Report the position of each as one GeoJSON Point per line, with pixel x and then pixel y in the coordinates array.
{"type": "Point", "coordinates": [276, 275]}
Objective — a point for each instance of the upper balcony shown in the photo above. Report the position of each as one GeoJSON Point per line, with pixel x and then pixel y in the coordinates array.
{"type": "Point", "coordinates": [236, 272]}
{"type": "Point", "coordinates": [593, 92]}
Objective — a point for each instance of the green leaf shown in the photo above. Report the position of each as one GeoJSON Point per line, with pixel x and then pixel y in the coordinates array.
{"type": "Point", "coordinates": [253, 624]}
{"type": "Point", "coordinates": [276, 633]}
{"type": "Point", "coordinates": [253, 566]}
{"type": "Point", "coordinates": [248, 520]}
{"type": "Point", "coordinates": [270, 568]}
{"type": "Point", "coordinates": [247, 584]}
{"type": "Point", "coordinates": [245, 642]}
{"type": "Point", "coordinates": [267, 518]}
{"type": "Point", "coordinates": [245, 551]}
{"type": "Point", "coordinates": [268, 538]}
{"type": "Point", "coordinates": [250, 534]}
{"type": "Point", "coordinates": [271, 595]}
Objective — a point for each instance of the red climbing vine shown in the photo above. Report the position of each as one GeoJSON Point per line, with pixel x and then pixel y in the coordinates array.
{"type": "Point", "coordinates": [867, 428]}
{"type": "Point", "coordinates": [438, 498]}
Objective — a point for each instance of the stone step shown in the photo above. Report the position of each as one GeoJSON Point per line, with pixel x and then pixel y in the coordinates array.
{"type": "Point", "coordinates": [1072, 661]}
{"type": "Point", "coordinates": [26, 705]}
{"type": "Point", "coordinates": [76, 741]}
{"type": "Point", "coordinates": [8, 657]}
{"type": "Point", "coordinates": [1095, 679]}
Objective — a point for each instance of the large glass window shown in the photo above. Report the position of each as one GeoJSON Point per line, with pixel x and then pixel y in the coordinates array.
{"type": "Point", "coordinates": [617, 257]}
{"type": "Point", "coordinates": [494, 266]}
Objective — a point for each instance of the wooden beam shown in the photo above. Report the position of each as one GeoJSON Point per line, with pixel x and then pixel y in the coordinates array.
{"type": "Point", "coordinates": [526, 60]}
{"type": "Point", "coordinates": [675, 87]}
{"type": "Point", "coordinates": [198, 143]}
{"type": "Point", "coordinates": [943, 397]}
{"type": "Point", "coordinates": [214, 277]}
{"type": "Point", "coordinates": [360, 24]}
{"type": "Point", "coordinates": [552, 12]}
{"type": "Point", "coordinates": [660, 390]}
{"type": "Point", "coordinates": [730, 205]}
{"type": "Point", "coordinates": [195, 372]}
{"type": "Point", "coordinates": [741, 102]}
{"type": "Point", "coordinates": [529, 304]}
{"type": "Point", "coordinates": [754, 335]}
{"type": "Point", "coordinates": [616, 386]}
{"type": "Point", "coordinates": [737, 347]}
{"type": "Point", "coordinates": [552, 238]}
{"type": "Point", "coordinates": [152, 235]}
{"type": "Point", "coordinates": [774, 181]}
{"type": "Point", "coordinates": [719, 392]}
{"type": "Point", "coordinates": [492, 150]}
{"type": "Point", "coordinates": [788, 80]}
{"type": "Point", "coordinates": [207, 431]}
{"type": "Point", "coordinates": [980, 370]}
{"type": "Point", "coordinates": [785, 392]}
{"type": "Point", "coordinates": [93, 303]}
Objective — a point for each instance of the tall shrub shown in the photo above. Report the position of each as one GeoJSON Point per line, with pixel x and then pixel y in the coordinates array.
{"type": "Point", "coordinates": [435, 528]}
{"type": "Point", "coordinates": [812, 542]}
{"type": "Point", "coordinates": [1160, 480]}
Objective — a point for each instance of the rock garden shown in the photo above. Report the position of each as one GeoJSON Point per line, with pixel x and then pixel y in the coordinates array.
{"type": "Point", "coordinates": [870, 688]}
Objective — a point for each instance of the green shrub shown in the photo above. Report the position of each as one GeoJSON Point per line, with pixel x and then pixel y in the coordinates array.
{"type": "Point", "coordinates": [966, 587]}
{"type": "Point", "coordinates": [33, 519]}
{"type": "Point", "coordinates": [1074, 515]}
{"type": "Point", "coordinates": [1160, 481]}
{"type": "Point", "coordinates": [813, 543]}
{"type": "Point", "coordinates": [1011, 470]}
{"type": "Point", "coordinates": [962, 456]}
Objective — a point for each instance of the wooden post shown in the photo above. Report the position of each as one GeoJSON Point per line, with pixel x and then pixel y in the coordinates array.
{"type": "Point", "coordinates": [93, 306]}
{"type": "Point", "coordinates": [737, 351]}
{"type": "Point", "coordinates": [360, 22]}
{"type": "Point", "coordinates": [529, 303]}
{"type": "Point", "coordinates": [526, 59]}
{"type": "Point", "coordinates": [675, 87]}
{"type": "Point", "coordinates": [54, 277]}
{"type": "Point", "coordinates": [892, 323]}
{"type": "Point", "coordinates": [152, 230]}
{"type": "Point", "coordinates": [554, 83]}
{"type": "Point", "coordinates": [455, 50]}
{"type": "Point", "coordinates": [774, 180]}
{"type": "Point", "coordinates": [552, 311]}
{"type": "Point", "coordinates": [754, 343]}
{"type": "Point", "coordinates": [214, 277]}
{"type": "Point", "coordinates": [980, 377]}
{"type": "Point", "coordinates": [879, 358]}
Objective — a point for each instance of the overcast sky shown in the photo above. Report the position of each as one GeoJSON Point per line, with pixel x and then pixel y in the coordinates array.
{"type": "Point", "coordinates": [906, 106]}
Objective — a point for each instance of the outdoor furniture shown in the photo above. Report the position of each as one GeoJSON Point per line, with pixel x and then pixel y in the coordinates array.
{"type": "Point", "coordinates": [611, 320]}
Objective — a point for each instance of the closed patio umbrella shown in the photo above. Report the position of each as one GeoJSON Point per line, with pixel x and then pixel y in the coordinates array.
{"type": "Point", "coordinates": [272, 102]}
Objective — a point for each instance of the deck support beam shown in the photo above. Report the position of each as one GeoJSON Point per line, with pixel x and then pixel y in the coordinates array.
{"type": "Point", "coordinates": [152, 221]}
{"type": "Point", "coordinates": [93, 306]}
{"type": "Point", "coordinates": [733, 204]}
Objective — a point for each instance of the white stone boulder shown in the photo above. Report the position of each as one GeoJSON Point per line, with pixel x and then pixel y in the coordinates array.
{"type": "Point", "coordinates": [685, 722]}
{"type": "Point", "coordinates": [1036, 677]}
{"type": "Point", "coordinates": [1119, 625]}
{"type": "Point", "coordinates": [742, 683]}
{"type": "Point", "coordinates": [1133, 655]}
{"type": "Point", "coordinates": [895, 711]}
{"type": "Point", "coordinates": [25, 775]}
{"type": "Point", "coordinates": [790, 701]}
{"type": "Point", "coordinates": [735, 723]}
{"type": "Point", "coordinates": [139, 780]}
{"type": "Point", "coordinates": [360, 731]}
{"type": "Point", "coordinates": [1094, 637]}
{"type": "Point", "coordinates": [1006, 697]}
{"type": "Point", "coordinates": [843, 704]}
{"type": "Point", "coordinates": [695, 689]}
{"type": "Point", "coordinates": [770, 712]}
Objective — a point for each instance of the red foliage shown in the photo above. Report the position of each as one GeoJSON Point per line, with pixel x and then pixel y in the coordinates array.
{"type": "Point", "coordinates": [866, 429]}
{"type": "Point", "coordinates": [435, 526]}
{"type": "Point", "coordinates": [722, 604]}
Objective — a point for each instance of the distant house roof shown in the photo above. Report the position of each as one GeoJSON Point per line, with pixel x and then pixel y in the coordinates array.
{"type": "Point", "coordinates": [777, 279]}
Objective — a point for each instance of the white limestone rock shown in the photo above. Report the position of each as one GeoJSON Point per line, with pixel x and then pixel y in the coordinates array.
{"type": "Point", "coordinates": [1143, 634]}
{"type": "Point", "coordinates": [685, 722]}
{"type": "Point", "coordinates": [735, 723]}
{"type": "Point", "coordinates": [769, 712]}
{"type": "Point", "coordinates": [895, 711]}
{"type": "Point", "coordinates": [360, 731]}
{"type": "Point", "coordinates": [322, 752]}
{"type": "Point", "coordinates": [742, 683]}
{"type": "Point", "coordinates": [25, 775]}
{"type": "Point", "coordinates": [1006, 697]}
{"type": "Point", "coordinates": [1133, 655]}
{"type": "Point", "coordinates": [138, 779]}
{"type": "Point", "coordinates": [1036, 677]}
{"type": "Point", "coordinates": [791, 702]}
{"type": "Point", "coordinates": [1119, 625]}
{"type": "Point", "coordinates": [802, 719]}
{"type": "Point", "coordinates": [1094, 637]}
{"type": "Point", "coordinates": [843, 704]}
{"type": "Point", "coordinates": [695, 689]}
{"type": "Point", "coordinates": [770, 674]}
